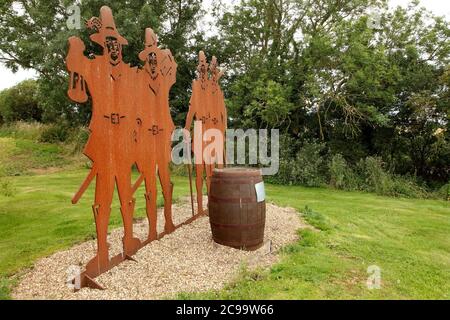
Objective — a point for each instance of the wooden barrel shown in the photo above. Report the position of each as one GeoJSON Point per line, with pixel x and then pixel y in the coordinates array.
{"type": "Point", "coordinates": [237, 208]}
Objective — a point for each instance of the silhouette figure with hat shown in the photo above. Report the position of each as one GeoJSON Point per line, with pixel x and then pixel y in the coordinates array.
{"type": "Point", "coordinates": [155, 133]}
{"type": "Point", "coordinates": [206, 109]}
{"type": "Point", "coordinates": [111, 146]}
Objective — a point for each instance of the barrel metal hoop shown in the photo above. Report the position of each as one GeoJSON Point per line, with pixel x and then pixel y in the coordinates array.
{"type": "Point", "coordinates": [238, 226]}
{"type": "Point", "coordinates": [235, 181]}
{"type": "Point", "coordinates": [232, 200]}
{"type": "Point", "coordinates": [256, 243]}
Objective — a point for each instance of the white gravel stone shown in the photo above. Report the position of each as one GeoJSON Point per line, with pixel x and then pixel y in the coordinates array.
{"type": "Point", "coordinates": [185, 261]}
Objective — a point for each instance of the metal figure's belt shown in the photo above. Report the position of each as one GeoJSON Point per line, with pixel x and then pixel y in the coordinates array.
{"type": "Point", "coordinates": [114, 118]}
{"type": "Point", "coordinates": [155, 130]}
{"type": "Point", "coordinates": [206, 119]}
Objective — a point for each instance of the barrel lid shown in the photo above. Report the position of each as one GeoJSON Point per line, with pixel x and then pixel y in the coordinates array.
{"type": "Point", "coordinates": [237, 172]}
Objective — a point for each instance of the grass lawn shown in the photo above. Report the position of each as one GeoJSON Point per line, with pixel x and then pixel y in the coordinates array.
{"type": "Point", "coordinates": [408, 239]}
{"type": "Point", "coordinates": [19, 156]}
{"type": "Point", "coordinates": [40, 219]}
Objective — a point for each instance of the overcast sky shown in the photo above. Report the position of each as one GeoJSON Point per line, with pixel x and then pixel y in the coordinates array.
{"type": "Point", "coordinates": [8, 79]}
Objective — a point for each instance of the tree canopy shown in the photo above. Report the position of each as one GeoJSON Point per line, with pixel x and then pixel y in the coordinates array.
{"type": "Point", "coordinates": [325, 71]}
{"type": "Point", "coordinates": [33, 35]}
{"type": "Point", "coordinates": [20, 103]}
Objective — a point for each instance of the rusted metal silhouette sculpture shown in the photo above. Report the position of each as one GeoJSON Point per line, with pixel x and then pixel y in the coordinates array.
{"type": "Point", "coordinates": [110, 146]}
{"type": "Point", "coordinates": [131, 124]}
{"type": "Point", "coordinates": [207, 107]}
{"type": "Point", "coordinates": [156, 128]}
{"type": "Point", "coordinates": [219, 115]}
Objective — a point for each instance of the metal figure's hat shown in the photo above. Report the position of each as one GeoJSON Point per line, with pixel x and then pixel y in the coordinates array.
{"type": "Point", "coordinates": [105, 27]}
{"type": "Point", "coordinates": [202, 62]}
{"type": "Point", "coordinates": [213, 64]}
{"type": "Point", "coordinates": [214, 68]}
{"type": "Point", "coordinates": [151, 43]}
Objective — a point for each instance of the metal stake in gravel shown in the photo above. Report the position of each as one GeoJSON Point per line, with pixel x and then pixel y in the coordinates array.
{"type": "Point", "coordinates": [131, 124]}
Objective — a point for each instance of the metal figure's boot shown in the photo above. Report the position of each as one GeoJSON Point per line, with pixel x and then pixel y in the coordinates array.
{"type": "Point", "coordinates": [100, 263]}
{"type": "Point", "coordinates": [131, 245]}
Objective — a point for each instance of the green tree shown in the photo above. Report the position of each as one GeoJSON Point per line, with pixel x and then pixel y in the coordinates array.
{"type": "Point", "coordinates": [33, 35]}
{"type": "Point", "coordinates": [20, 103]}
{"type": "Point", "coordinates": [327, 73]}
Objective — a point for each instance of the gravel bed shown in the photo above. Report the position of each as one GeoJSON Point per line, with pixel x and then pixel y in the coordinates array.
{"type": "Point", "coordinates": [185, 261]}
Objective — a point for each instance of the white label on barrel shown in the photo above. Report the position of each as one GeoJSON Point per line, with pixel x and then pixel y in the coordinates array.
{"type": "Point", "coordinates": [260, 192]}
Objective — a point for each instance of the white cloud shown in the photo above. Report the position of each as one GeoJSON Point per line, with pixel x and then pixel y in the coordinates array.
{"type": "Point", "coordinates": [9, 79]}
{"type": "Point", "coordinates": [439, 7]}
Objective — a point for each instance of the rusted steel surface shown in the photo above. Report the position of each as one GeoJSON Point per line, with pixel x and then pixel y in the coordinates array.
{"type": "Point", "coordinates": [155, 127]}
{"type": "Point", "coordinates": [130, 125]}
{"type": "Point", "coordinates": [237, 218]}
{"type": "Point", "coordinates": [207, 107]}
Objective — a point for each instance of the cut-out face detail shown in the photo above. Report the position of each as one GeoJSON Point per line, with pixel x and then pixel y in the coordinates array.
{"type": "Point", "coordinates": [94, 24]}
{"type": "Point", "coordinates": [114, 49]}
{"type": "Point", "coordinates": [202, 68]}
{"type": "Point", "coordinates": [203, 73]}
{"type": "Point", "coordinates": [213, 70]}
{"type": "Point", "coordinates": [153, 64]}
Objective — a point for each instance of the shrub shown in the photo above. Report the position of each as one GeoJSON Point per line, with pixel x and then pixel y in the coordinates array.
{"type": "Point", "coordinates": [308, 167]}
{"type": "Point", "coordinates": [55, 133]}
{"type": "Point", "coordinates": [23, 130]}
{"type": "Point", "coordinates": [78, 139]}
{"type": "Point", "coordinates": [444, 192]}
{"type": "Point", "coordinates": [20, 103]}
{"type": "Point", "coordinates": [375, 178]}
{"type": "Point", "coordinates": [338, 170]}
{"type": "Point", "coordinates": [406, 187]}
{"type": "Point", "coordinates": [341, 174]}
